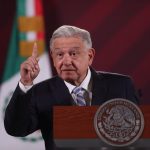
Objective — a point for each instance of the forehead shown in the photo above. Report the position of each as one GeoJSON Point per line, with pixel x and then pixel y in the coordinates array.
{"type": "Point", "coordinates": [67, 42]}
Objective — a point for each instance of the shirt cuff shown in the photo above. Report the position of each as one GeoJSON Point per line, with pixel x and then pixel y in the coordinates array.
{"type": "Point", "coordinates": [26, 88]}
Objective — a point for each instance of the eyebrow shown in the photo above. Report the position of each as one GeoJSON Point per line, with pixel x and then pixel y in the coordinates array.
{"type": "Point", "coordinates": [56, 49]}
{"type": "Point", "coordinates": [72, 48]}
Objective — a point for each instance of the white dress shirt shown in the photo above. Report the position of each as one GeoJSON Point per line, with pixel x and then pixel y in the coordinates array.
{"type": "Point", "coordinates": [26, 88]}
{"type": "Point", "coordinates": [84, 84]}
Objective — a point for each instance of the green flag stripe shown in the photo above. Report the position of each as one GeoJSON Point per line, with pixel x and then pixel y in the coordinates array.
{"type": "Point", "coordinates": [21, 11]}
{"type": "Point", "coordinates": [13, 59]}
{"type": "Point", "coordinates": [21, 7]}
{"type": "Point", "coordinates": [22, 36]}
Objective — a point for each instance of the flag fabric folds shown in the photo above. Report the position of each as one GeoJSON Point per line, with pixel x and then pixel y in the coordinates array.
{"type": "Point", "coordinates": [28, 27]}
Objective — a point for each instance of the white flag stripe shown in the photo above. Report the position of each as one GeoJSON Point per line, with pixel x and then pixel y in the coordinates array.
{"type": "Point", "coordinates": [30, 8]}
{"type": "Point", "coordinates": [31, 36]}
{"type": "Point", "coordinates": [30, 12]}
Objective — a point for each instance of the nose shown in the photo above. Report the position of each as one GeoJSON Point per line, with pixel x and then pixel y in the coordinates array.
{"type": "Point", "coordinates": [67, 60]}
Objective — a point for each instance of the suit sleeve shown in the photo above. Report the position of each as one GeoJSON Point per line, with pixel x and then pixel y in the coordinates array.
{"type": "Point", "coordinates": [21, 114]}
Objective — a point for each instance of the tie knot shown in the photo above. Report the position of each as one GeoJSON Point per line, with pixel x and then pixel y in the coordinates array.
{"type": "Point", "coordinates": [79, 91]}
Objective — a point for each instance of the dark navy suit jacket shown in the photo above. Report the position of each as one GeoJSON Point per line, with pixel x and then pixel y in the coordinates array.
{"type": "Point", "coordinates": [29, 112]}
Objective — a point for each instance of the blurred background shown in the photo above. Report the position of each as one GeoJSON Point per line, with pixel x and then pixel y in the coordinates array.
{"type": "Point", "coordinates": [120, 30]}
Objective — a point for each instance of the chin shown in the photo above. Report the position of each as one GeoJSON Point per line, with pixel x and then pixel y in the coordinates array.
{"type": "Point", "coordinates": [68, 76]}
{"type": "Point", "coordinates": [69, 79]}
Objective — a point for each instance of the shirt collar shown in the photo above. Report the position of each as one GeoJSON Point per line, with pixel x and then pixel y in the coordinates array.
{"type": "Point", "coordinates": [84, 83]}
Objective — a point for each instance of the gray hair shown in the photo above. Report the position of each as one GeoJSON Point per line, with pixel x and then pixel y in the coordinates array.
{"type": "Point", "coordinates": [72, 31]}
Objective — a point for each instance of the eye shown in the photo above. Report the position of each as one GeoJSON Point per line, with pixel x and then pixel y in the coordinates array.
{"type": "Point", "coordinates": [73, 53]}
{"type": "Point", "coordinates": [59, 55]}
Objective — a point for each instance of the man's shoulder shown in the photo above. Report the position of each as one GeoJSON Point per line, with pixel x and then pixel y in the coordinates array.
{"type": "Point", "coordinates": [51, 81]}
{"type": "Point", "coordinates": [111, 75]}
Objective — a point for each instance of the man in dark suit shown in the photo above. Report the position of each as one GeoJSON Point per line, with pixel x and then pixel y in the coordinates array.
{"type": "Point", "coordinates": [30, 107]}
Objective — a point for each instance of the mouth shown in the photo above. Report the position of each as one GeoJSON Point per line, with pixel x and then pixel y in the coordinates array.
{"type": "Point", "coordinates": [67, 70]}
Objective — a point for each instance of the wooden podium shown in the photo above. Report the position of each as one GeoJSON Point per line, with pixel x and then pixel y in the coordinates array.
{"type": "Point", "coordinates": [73, 126]}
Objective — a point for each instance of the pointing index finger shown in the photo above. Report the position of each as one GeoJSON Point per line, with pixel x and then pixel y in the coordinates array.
{"type": "Point", "coordinates": [35, 50]}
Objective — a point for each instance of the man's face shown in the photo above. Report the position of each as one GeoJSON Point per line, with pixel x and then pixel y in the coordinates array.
{"type": "Point", "coordinates": [71, 59]}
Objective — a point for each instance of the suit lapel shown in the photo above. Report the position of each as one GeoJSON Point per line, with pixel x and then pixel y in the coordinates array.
{"type": "Point", "coordinates": [99, 88]}
{"type": "Point", "coordinates": [61, 93]}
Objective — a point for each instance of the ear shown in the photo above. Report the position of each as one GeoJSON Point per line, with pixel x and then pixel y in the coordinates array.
{"type": "Point", "coordinates": [91, 53]}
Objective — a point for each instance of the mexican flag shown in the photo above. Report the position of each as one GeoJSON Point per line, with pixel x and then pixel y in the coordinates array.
{"type": "Point", "coordinates": [28, 28]}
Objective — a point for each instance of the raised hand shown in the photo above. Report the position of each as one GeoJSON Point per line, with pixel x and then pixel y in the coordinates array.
{"type": "Point", "coordinates": [29, 69]}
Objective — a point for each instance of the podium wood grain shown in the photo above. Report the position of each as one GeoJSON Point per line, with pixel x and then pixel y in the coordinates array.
{"type": "Point", "coordinates": [74, 122]}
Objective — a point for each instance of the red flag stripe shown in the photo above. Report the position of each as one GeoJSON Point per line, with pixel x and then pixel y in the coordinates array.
{"type": "Point", "coordinates": [39, 12]}
{"type": "Point", "coordinates": [38, 7]}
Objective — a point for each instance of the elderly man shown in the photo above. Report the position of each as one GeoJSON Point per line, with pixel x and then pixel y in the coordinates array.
{"type": "Point", "coordinates": [77, 83]}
